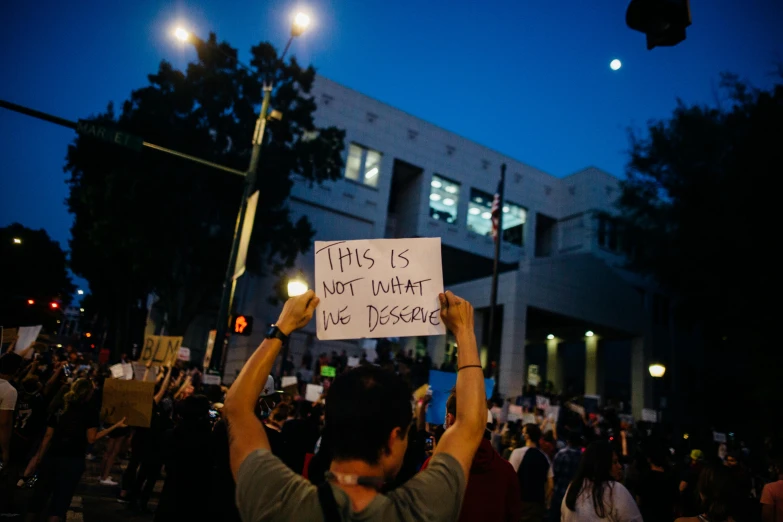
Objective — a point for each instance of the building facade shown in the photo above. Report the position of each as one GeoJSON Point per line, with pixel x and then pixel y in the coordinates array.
{"type": "Point", "coordinates": [562, 288]}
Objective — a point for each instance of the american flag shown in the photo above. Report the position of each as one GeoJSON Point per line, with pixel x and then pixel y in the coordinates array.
{"type": "Point", "coordinates": [496, 213]}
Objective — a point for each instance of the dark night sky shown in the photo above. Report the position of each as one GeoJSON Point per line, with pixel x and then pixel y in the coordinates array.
{"type": "Point", "coordinates": [529, 79]}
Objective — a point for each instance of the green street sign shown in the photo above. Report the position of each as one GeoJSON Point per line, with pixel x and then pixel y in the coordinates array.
{"type": "Point", "coordinates": [123, 139]}
{"type": "Point", "coordinates": [328, 371]}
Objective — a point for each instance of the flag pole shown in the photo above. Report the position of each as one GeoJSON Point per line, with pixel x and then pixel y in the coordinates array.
{"type": "Point", "coordinates": [493, 344]}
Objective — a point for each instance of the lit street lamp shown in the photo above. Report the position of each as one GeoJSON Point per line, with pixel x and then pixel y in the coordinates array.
{"type": "Point", "coordinates": [300, 22]}
{"type": "Point", "coordinates": [80, 291]}
{"type": "Point", "coordinates": [17, 241]}
{"type": "Point", "coordinates": [296, 287]}
{"type": "Point", "coordinates": [657, 370]}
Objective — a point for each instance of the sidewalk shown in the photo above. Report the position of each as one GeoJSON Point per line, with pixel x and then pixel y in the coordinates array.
{"type": "Point", "coordinates": [94, 502]}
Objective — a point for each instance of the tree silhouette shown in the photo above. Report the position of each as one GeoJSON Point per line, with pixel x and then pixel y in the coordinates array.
{"type": "Point", "coordinates": [149, 222]}
{"type": "Point", "coordinates": [34, 270]}
{"type": "Point", "coordinates": [697, 210]}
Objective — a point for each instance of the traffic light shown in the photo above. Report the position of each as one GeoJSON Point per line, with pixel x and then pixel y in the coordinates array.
{"type": "Point", "coordinates": [54, 305]}
{"type": "Point", "coordinates": [31, 302]}
{"type": "Point", "coordinates": [242, 325]}
{"type": "Point", "coordinates": [663, 21]}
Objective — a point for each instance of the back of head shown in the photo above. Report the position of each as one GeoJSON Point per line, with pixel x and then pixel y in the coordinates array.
{"type": "Point", "coordinates": [533, 433]}
{"type": "Point", "coordinates": [80, 392]}
{"type": "Point", "coordinates": [10, 363]}
{"type": "Point", "coordinates": [281, 412]}
{"type": "Point", "coordinates": [596, 466]}
{"type": "Point", "coordinates": [718, 492]}
{"type": "Point", "coordinates": [363, 406]}
{"type": "Point", "coordinates": [574, 439]}
{"type": "Point", "coordinates": [193, 408]}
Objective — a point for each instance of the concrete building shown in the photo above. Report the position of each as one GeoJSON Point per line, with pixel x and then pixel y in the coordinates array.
{"type": "Point", "coordinates": [561, 257]}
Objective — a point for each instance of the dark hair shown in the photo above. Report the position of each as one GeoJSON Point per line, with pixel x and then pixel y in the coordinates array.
{"type": "Point", "coordinates": [10, 363]}
{"type": "Point", "coordinates": [718, 493]}
{"type": "Point", "coordinates": [533, 433]}
{"type": "Point", "coordinates": [363, 406]}
{"type": "Point", "coordinates": [281, 412]}
{"type": "Point", "coordinates": [596, 466]}
{"type": "Point", "coordinates": [574, 438]}
{"type": "Point", "coordinates": [658, 454]}
{"type": "Point", "coordinates": [193, 408]}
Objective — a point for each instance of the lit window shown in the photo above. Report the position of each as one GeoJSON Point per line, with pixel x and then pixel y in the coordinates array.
{"type": "Point", "coordinates": [444, 197]}
{"type": "Point", "coordinates": [480, 217]}
{"type": "Point", "coordinates": [363, 165]}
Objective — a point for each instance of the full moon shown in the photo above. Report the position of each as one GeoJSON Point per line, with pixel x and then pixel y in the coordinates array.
{"type": "Point", "coordinates": [615, 64]}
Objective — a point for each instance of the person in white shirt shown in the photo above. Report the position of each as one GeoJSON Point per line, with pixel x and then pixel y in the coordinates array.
{"type": "Point", "coordinates": [9, 364]}
{"type": "Point", "coordinates": [595, 494]}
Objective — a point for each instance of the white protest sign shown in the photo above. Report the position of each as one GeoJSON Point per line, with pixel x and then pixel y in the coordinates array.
{"type": "Point", "coordinates": [528, 418]}
{"type": "Point", "coordinates": [140, 370]}
{"type": "Point", "coordinates": [288, 381]}
{"type": "Point", "coordinates": [542, 402]}
{"type": "Point", "coordinates": [514, 413]}
{"type": "Point", "coordinates": [649, 415]}
{"type": "Point", "coordinates": [378, 288]}
{"type": "Point", "coordinates": [314, 392]}
{"type": "Point", "coordinates": [554, 413]}
{"type": "Point", "coordinates": [183, 354]}
{"type": "Point", "coordinates": [117, 372]}
{"type": "Point", "coordinates": [27, 336]}
{"type": "Point", "coordinates": [127, 371]}
{"type": "Point", "coordinates": [210, 379]}
{"type": "Point", "coordinates": [353, 362]}
{"type": "Point", "coordinates": [719, 437]}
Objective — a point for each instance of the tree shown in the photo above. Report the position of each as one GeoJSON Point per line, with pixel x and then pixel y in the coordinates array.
{"type": "Point", "coordinates": [150, 222]}
{"type": "Point", "coordinates": [34, 269]}
{"type": "Point", "coordinates": [697, 208]}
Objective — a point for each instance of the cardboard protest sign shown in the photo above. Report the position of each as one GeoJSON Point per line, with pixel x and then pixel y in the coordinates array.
{"type": "Point", "coordinates": [129, 399]}
{"type": "Point", "coordinates": [210, 379]}
{"type": "Point", "coordinates": [140, 370]}
{"type": "Point", "coordinates": [161, 350]}
{"type": "Point", "coordinates": [27, 336]}
{"type": "Point", "coordinates": [117, 371]}
{"type": "Point", "coordinates": [441, 384]}
{"type": "Point", "coordinates": [328, 371]}
{"type": "Point", "coordinates": [314, 392]}
{"type": "Point", "coordinates": [210, 347]}
{"type": "Point", "coordinates": [378, 288]}
{"type": "Point", "coordinates": [183, 354]}
{"type": "Point", "coordinates": [353, 362]}
{"type": "Point", "coordinates": [9, 334]}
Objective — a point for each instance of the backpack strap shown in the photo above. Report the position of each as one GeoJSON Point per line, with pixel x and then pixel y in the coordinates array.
{"type": "Point", "coordinates": [328, 503]}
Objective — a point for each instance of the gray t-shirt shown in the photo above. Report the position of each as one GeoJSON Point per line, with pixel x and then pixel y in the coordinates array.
{"type": "Point", "coordinates": [267, 489]}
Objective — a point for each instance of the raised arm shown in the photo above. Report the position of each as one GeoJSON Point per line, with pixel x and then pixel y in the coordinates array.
{"type": "Point", "coordinates": [163, 387]}
{"type": "Point", "coordinates": [245, 431]}
{"type": "Point", "coordinates": [462, 439]}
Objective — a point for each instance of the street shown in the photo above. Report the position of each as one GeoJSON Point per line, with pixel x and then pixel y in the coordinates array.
{"type": "Point", "coordinates": [94, 502]}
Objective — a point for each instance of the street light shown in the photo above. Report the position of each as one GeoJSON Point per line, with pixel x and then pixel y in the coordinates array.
{"type": "Point", "coordinates": [657, 370]}
{"type": "Point", "coordinates": [17, 241]}
{"type": "Point", "coordinates": [300, 22]}
{"type": "Point", "coordinates": [181, 34]}
{"type": "Point", "coordinates": [80, 291]}
{"type": "Point", "coordinates": [550, 337]}
{"type": "Point", "coordinates": [31, 302]}
{"type": "Point", "coordinates": [589, 333]}
{"type": "Point", "coordinates": [296, 287]}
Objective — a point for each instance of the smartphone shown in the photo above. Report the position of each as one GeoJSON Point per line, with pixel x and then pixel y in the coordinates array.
{"type": "Point", "coordinates": [429, 443]}
{"type": "Point", "coordinates": [67, 370]}
{"type": "Point", "coordinates": [213, 414]}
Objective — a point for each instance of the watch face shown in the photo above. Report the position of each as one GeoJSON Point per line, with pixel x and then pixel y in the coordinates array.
{"type": "Point", "coordinates": [271, 332]}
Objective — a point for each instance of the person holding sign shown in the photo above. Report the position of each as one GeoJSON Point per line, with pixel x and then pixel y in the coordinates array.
{"type": "Point", "coordinates": [368, 412]}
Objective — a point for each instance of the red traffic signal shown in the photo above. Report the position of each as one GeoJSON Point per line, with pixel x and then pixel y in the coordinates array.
{"type": "Point", "coordinates": [54, 305]}
{"type": "Point", "coordinates": [31, 302]}
{"type": "Point", "coordinates": [662, 21]}
{"type": "Point", "coordinates": [242, 325]}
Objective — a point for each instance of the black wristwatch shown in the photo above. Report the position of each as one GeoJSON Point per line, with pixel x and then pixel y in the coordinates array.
{"type": "Point", "coordinates": [275, 333]}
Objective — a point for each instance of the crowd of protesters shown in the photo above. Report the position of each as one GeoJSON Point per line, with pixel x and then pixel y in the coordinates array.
{"type": "Point", "coordinates": [364, 450]}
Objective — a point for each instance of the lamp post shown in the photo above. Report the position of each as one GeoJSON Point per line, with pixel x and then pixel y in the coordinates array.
{"type": "Point", "coordinates": [233, 272]}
